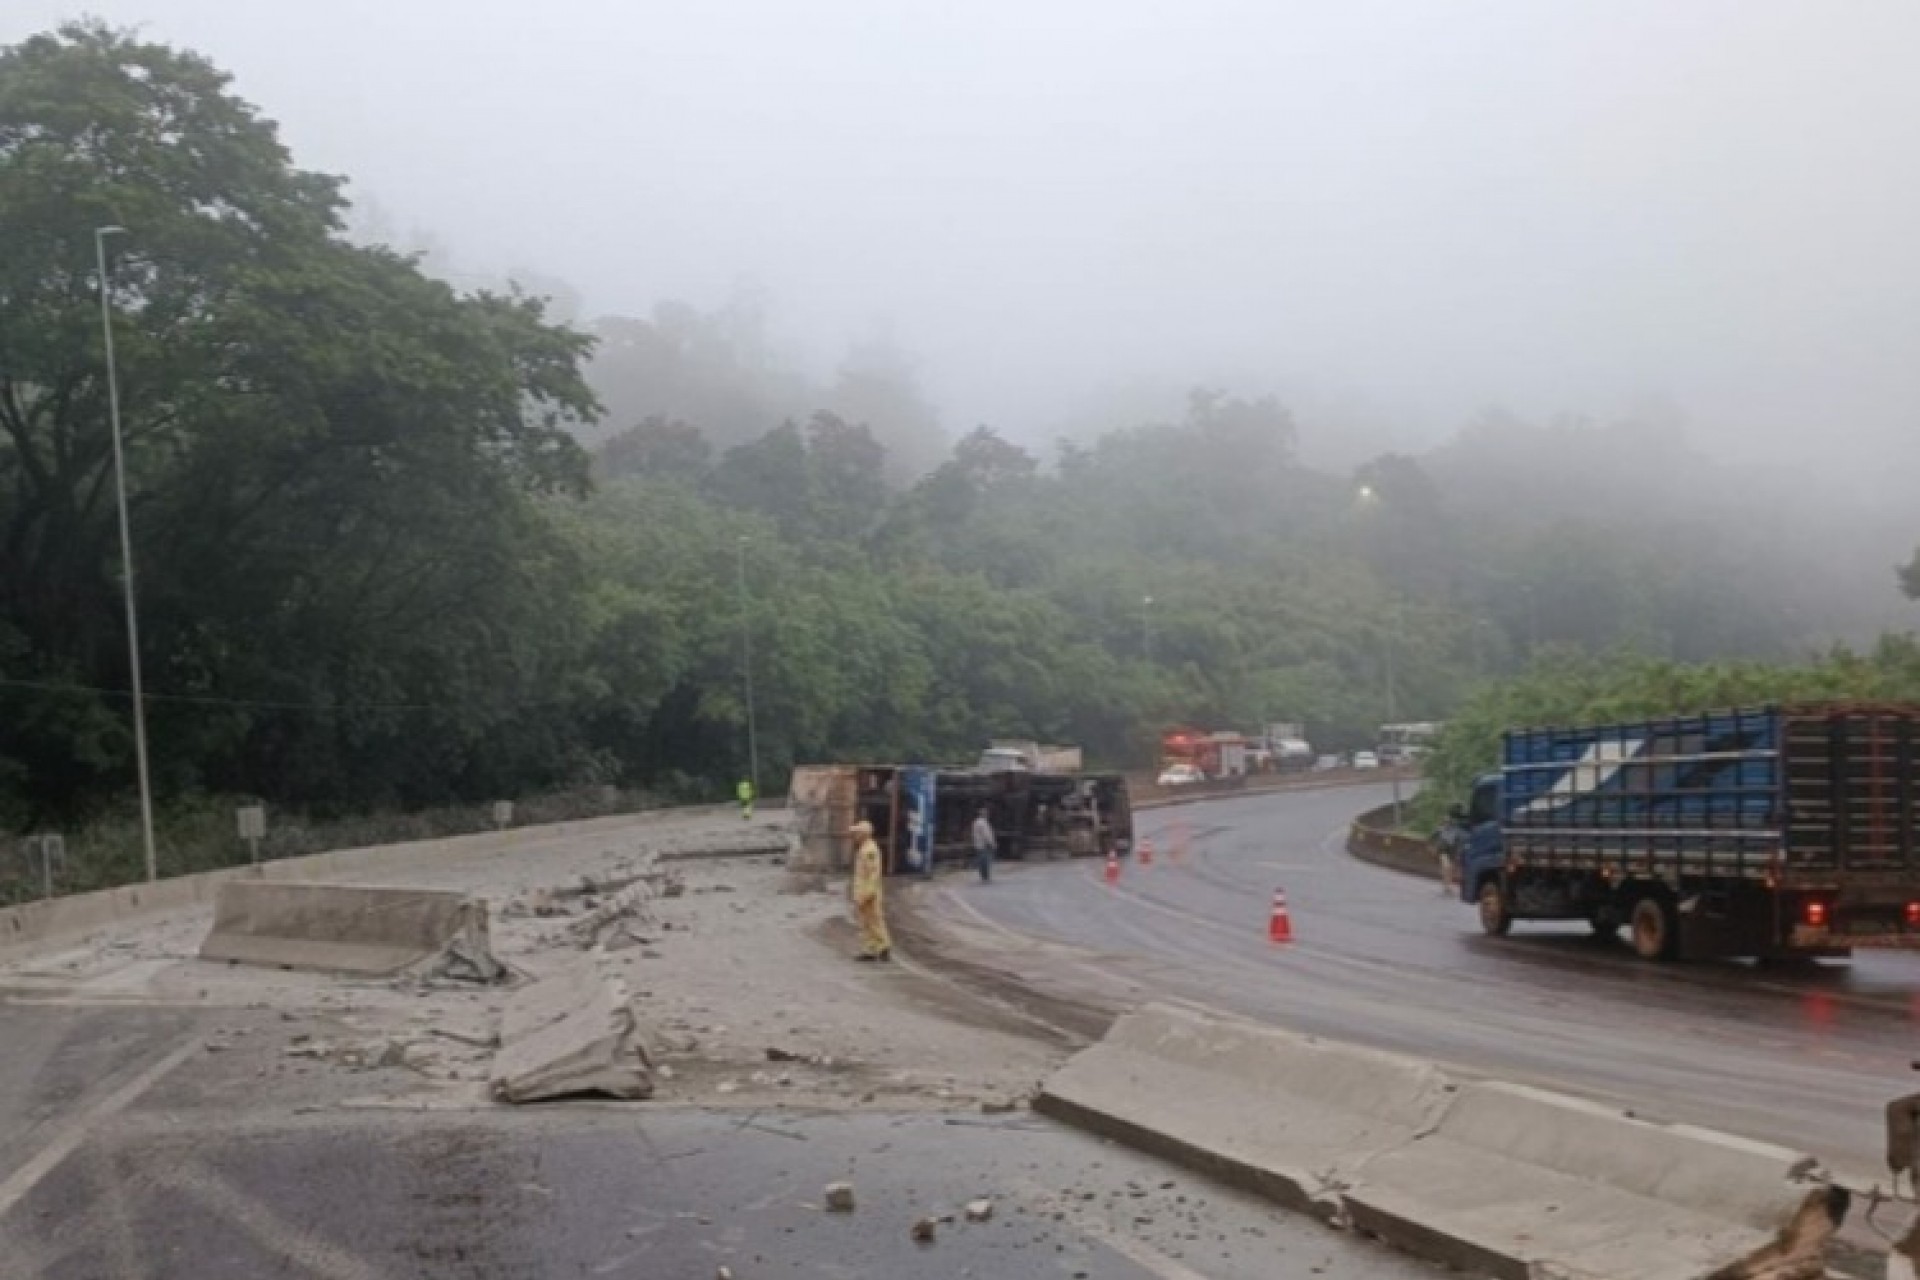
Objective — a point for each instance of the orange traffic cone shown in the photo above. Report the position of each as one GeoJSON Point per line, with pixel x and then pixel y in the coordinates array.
{"type": "Point", "coordinates": [1146, 853]}
{"type": "Point", "coordinates": [1280, 926]}
{"type": "Point", "coordinates": [1113, 867]}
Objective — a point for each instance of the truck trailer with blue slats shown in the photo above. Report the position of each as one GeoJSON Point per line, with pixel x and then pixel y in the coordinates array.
{"type": "Point", "coordinates": [1772, 832]}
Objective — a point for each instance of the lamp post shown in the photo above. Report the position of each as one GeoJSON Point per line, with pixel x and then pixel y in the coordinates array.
{"type": "Point", "coordinates": [1393, 716]}
{"type": "Point", "coordinates": [1146, 629]}
{"type": "Point", "coordinates": [746, 669]}
{"type": "Point", "coordinates": [126, 557]}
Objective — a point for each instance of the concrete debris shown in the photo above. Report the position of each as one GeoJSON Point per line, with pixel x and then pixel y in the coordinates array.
{"type": "Point", "coordinates": [467, 961]}
{"type": "Point", "coordinates": [724, 1273]}
{"type": "Point", "coordinates": [635, 902]}
{"type": "Point", "coordinates": [753, 842]}
{"type": "Point", "coordinates": [790, 1055]}
{"type": "Point", "coordinates": [569, 1034]}
{"type": "Point", "coordinates": [839, 1197]}
{"type": "Point", "coordinates": [543, 903]}
{"type": "Point", "coordinates": [624, 936]}
{"type": "Point", "coordinates": [979, 1210]}
{"type": "Point", "coordinates": [923, 1230]}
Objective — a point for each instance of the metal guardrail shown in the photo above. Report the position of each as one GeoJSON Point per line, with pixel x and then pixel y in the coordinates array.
{"type": "Point", "coordinates": [1146, 795]}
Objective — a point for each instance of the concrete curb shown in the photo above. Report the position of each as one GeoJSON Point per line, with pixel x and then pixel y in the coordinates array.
{"type": "Point", "coordinates": [1499, 1178]}
{"type": "Point", "coordinates": [1369, 841]}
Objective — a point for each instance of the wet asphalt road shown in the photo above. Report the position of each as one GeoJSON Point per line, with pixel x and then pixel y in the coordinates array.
{"type": "Point", "coordinates": [1805, 1056]}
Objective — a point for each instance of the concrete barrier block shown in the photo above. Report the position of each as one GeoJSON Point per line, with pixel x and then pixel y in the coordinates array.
{"type": "Point", "coordinates": [573, 1032]}
{"type": "Point", "coordinates": [349, 928]}
{"type": "Point", "coordinates": [1284, 1115]}
{"type": "Point", "coordinates": [1715, 1173]}
{"type": "Point", "coordinates": [1498, 1179]}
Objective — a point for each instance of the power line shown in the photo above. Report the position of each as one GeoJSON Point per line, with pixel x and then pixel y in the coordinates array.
{"type": "Point", "coordinates": [258, 704]}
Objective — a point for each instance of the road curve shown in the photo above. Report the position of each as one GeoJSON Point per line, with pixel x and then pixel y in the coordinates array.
{"type": "Point", "coordinates": [1804, 1056]}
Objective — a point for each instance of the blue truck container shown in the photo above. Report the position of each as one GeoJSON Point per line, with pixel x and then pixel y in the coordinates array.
{"type": "Point", "coordinates": [1771, 832]}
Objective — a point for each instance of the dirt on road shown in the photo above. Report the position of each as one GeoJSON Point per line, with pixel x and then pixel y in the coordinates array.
{"type": "Point", "coordinates": [742, 975]}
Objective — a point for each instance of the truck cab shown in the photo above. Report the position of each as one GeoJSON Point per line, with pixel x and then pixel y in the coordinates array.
{"type": "Point", "coordinates": [1484, 854]}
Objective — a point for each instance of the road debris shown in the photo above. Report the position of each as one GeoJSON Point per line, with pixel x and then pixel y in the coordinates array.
{"type": "Point", "coordinates": [572, 1033]}
{"type": "Point", "coordinates": [923, 1230]}
{"type": "Point", "coordinates": [979, 1210]}
{"type": "Point", "coordinates": [839, 1197]}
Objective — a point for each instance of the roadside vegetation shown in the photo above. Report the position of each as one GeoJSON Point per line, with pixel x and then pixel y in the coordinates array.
{"type": "Point", "coordinates": [1569, 689]}
{"type": "Point", "coordinates": [404, 548]}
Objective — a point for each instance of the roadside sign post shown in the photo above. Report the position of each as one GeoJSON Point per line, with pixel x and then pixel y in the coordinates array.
{"type": "Point", "coordinates": [49, 851]}
{"type": "Point", "coordinates": [252, 822]}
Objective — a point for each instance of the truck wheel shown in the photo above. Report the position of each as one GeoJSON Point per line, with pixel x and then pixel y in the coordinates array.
{"type": "Point", "coordinates": [1655, 929]}
{"type": "Point", "coordinates": [1494, 918]}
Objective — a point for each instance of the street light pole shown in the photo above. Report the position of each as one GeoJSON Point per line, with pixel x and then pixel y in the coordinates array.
{"type": "Point", "coordinates": [1393, 715]}
{"type": "Point", "coordinates": [746, 666]}
{"type": "Point", "coordinates": [1146, 630]}
{"type": "Point", "coordinates": [126, 558]}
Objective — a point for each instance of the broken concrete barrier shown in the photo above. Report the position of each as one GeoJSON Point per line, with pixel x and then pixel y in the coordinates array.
{"type": "Point", "coordinates": [1496, 1178]}
{"type": "Point", "coordinates": [350, 929]}
{"type": "Point", "coordinates": [1514, 1180]}
{"type": "Point", "coordinates": [747, 842]}
{"type": "Point", "coordinates": [573, 1032]}
{"type": "Point", "coordinates": [1290, 1116]}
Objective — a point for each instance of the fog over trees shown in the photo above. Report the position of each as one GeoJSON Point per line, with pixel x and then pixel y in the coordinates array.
{"type": "Point", "coordinates": [420, 520]}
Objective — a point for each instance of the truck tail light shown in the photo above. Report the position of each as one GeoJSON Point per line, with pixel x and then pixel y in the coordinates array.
{"type": "Point", "coordinates": [1913, 915]}
{"type": "Point", "coordinates": [1815, 913]}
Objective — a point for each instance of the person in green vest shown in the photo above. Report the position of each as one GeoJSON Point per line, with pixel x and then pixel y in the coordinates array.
{"type": "Point", "coordinates": [745, 792]}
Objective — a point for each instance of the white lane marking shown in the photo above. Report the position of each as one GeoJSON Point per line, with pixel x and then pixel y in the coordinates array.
{"type": "Point", "coordinates": [267, 1228]}
{"type": "Point", "coordinates": [29, 1175]}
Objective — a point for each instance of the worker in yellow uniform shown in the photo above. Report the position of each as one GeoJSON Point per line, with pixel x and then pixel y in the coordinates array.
{"type": "Point", "coordinates": [867, 874]}
{"type": "Point", "coordinates": [744, 792]}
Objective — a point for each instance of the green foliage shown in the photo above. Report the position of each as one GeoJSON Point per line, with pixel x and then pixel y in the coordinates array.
{"type": "Point", "coordinates": [334, 464]}
{"type": "Point", "coordinates": [1571, 688]}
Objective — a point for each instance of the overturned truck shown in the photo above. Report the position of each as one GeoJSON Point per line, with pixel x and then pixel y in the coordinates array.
{"type": "Point", "coordinates": [923, 815]}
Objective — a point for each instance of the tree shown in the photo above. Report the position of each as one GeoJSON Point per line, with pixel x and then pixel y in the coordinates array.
{"type": "Point", "coordinates": [331, 458]}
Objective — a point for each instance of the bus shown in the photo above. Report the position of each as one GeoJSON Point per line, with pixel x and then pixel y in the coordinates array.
{"type": "Point", "coordinates": [1403, 742]}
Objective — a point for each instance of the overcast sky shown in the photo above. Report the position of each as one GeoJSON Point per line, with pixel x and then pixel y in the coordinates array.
{"type": "Point", "coordinates": [1421, 208]}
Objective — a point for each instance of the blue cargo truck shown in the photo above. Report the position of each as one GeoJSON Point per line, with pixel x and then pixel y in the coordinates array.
{"type": "Point", "coordinates": [1773, 832]}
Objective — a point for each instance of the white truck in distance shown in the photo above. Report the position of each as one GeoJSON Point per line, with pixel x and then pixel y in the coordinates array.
{"type": "Point", "coordinates": [1013, 755]}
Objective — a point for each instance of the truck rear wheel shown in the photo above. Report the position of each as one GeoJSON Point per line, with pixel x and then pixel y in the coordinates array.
{"type": "Point", "coordinates": [1495, 920]}
{"type": "Point", "coordinates": [1656, 931]}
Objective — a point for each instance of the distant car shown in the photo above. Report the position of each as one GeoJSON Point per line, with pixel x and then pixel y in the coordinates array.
{"type": "Point", "coordinates": [1327, 762]}
{"type": "Point", "coordinates": [1180, 775]}
{"type": "Point", "coordinates": [1365, 760]}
